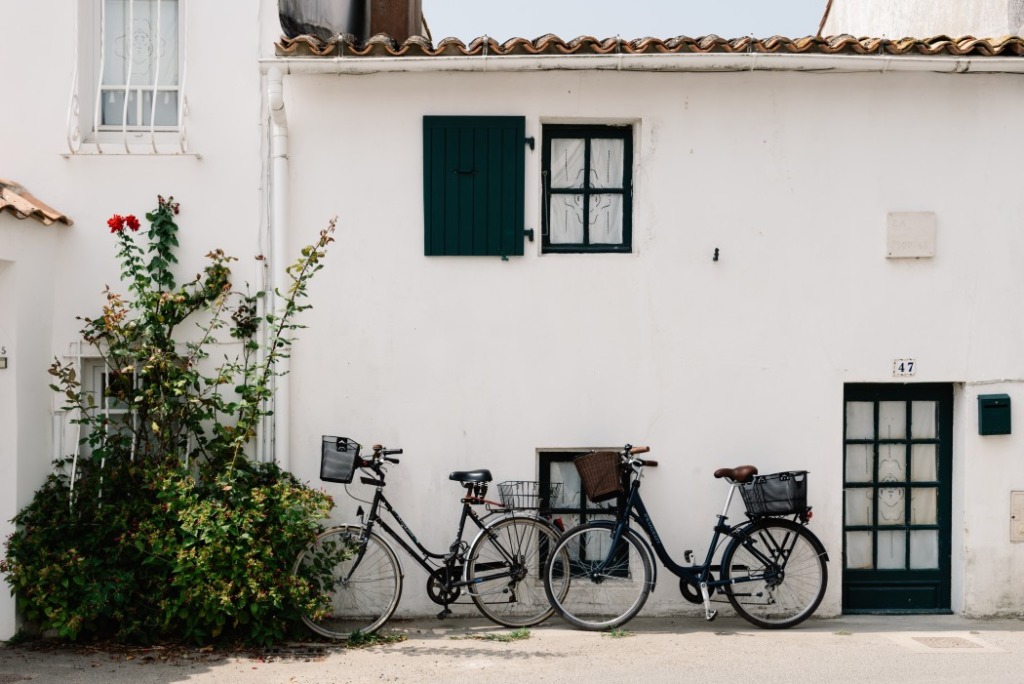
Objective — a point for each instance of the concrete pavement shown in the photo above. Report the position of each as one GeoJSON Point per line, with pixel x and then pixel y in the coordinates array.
{"type": "Point", "coordinates": [877, 649]}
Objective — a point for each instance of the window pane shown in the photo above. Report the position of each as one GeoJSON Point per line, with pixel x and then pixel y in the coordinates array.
{"type": "Point", "coordinates": [567, 162]}
{"type": "Point", "coordinates": [892, 550]}
{"type": "Point", "coordinates": [860, 420]}
{"type": "Point", "coordinates": [166, 108]}
{"type": "Point", "coordinates": [566, 219]}
{"type": "Point", "coordinates": [859, 462]}
{"type": "Point", "coordinates": [135, 32]}
{"type": "Point", "coordinates": [858, 550]}
{"type": "Point", "coordinates": [606, 159]}
{"type": "Point", "coordinates": [892, 465]}
{"type": "Point", "coordinates": [113, 108]}
{"type": "Point", "coordinates": [923, 460]}
{"type": "Point", "coordinates": [922, 415]}
{"type": "Point", "coordinates": [924, 506]}
{"type": "Point", "coordinates": [565, 472]}
{"type": "Point", "coordinates": [892, 506]}
{"type": "Point", "coordinates": [924, 549]}
{"type": "Point", "coordinates": [892, 420]}
{"type": "Point", "coordinates": [859, 506]}
{"type": "Point", "coordinates": [606, 219]}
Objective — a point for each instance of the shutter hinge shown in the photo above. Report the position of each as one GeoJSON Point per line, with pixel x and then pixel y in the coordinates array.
{"type": "Point", "coordinates": [531, 142]}
{"type": "Point", "coordinates": [528, 232]}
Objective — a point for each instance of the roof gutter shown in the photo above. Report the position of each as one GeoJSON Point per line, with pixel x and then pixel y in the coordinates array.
{"type": "Point", "coordinates": [686, 62]}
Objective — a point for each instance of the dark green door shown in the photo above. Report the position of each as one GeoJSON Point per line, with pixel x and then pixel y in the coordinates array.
{"type": "Point", "coordinates": [897, 498]}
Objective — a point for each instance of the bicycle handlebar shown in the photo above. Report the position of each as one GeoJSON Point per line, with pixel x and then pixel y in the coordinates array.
{"type": "Point", "coordinates": [639, 450]}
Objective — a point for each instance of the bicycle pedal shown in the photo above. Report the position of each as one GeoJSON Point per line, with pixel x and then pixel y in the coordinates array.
{"type": "Point", "coordinates": [443, 614]}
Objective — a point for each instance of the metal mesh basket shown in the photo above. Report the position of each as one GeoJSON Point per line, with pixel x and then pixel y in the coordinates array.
{"type": "Point", "coordinates": [339, 457]}
{"type": "Point", "coordinates": [528, 494]}
{"type": "Point", "coordinates": [601, 475]}
{"type": "Point", "coordinates": [776, 494]}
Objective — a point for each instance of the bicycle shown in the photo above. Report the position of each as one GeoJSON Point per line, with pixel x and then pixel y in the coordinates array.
{"type": "Point", "coordinates": [772, 571]}
{"type": "Point", "coordinates": [356, 567]}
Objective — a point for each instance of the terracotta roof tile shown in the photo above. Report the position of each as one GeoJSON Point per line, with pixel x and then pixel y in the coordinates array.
{"type": "Point", "coordinates": [382, 45]}
{"type": "Point", "coordinates": [21, 203]}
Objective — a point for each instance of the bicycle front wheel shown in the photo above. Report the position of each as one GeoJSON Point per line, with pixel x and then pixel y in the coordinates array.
{"type": "Point", "coordinates": [602, 585]}
{"type": "Point", "coordinates": [358, 579]}
{"type": "Point", "coordinates": [778, 572]}
{"type": "Point", "coordinates": [505, 570]}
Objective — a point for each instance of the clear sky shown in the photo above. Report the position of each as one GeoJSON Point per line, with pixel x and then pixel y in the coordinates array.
{"type": "Point", "coordinates": [504, 19]}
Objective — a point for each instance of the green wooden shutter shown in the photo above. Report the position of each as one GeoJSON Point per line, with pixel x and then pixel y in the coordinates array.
{"type": "Point", "coordinates": [473, 185]}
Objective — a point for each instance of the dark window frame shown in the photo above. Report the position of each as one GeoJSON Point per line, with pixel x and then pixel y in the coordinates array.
{"type": "Point", "coordinates": [588, 132]}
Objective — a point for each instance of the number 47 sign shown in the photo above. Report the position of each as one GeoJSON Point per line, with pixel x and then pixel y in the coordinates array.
{"type": "Point", "coordinates": [904, 367]}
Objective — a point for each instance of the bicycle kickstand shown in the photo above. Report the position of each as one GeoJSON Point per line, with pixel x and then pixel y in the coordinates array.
{"type": "Point", "coordinates": [709, 613]}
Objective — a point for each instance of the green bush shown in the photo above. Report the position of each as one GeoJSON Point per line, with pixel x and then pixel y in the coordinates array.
{"type": "Point", "coordinates": [161, 527]}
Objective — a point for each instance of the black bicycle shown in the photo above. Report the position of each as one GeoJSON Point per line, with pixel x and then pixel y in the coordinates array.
{"type": "Point", "coordinates": [359, 575]}
{"type": "Point", "coordinates": [772, 570]}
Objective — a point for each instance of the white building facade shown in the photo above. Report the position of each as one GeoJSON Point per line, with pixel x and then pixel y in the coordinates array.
{"type": "Point", "coordinates": [801, 255]}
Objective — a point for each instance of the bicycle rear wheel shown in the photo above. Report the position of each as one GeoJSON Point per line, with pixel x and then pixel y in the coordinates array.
{"type": "Point", "coordinates": [601, 586]}
{"type": "Point", "coordinates": [505, 570]}
{"type": "Point", "coordinates": [358, 577]}
{"type": "Point", "coordinates": [779, 571]}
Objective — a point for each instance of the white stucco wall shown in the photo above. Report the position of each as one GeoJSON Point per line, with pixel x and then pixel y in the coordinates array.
{"type": "Point", "coordinates": [475, 362]}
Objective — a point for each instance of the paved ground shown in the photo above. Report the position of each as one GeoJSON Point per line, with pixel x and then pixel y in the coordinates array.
{"type": "Point", "coordinates": [902, 649]}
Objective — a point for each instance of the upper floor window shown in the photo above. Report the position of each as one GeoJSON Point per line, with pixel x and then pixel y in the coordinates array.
{"type": "Point", "coordinates": [139, 65]}
{"type": "Point", "coordinates": [588, 178]}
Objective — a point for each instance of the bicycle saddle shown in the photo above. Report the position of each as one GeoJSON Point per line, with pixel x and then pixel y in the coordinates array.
{"type": "Point", "coordinates": [738, 474]}
{"type": "Point", "coordinates": [465, 476]}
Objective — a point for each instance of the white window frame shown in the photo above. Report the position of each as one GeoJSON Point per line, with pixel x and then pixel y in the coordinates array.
{"type": "Point", "coordinates": [86, 133]}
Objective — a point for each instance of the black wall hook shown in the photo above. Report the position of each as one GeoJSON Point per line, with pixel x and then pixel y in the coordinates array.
{"type": "Point", "coordinates": [715, 258]}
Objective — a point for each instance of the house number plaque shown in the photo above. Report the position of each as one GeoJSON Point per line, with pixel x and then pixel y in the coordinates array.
{"type": "Point", "coordinates": [904, 367]}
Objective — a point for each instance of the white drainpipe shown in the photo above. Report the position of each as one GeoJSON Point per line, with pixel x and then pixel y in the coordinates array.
{"type": "Point", "coordinates": [278, 263]}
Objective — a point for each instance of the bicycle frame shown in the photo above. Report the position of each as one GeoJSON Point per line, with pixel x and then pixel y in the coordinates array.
{"type": "Point", "coordinates": [634, 509]}
{"type": "Point", "coordinates": [427, 559]}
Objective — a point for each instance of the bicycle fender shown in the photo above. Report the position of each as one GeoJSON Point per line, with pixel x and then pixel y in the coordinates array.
{"type": "Point", "coordinates": [610, 524]}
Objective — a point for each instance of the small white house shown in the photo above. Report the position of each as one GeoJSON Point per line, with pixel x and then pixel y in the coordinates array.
{"type": "Point", "coordinates": [797, 253]}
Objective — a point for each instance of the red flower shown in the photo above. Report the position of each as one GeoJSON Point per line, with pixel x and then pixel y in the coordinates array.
{"type": "Point", "coordinates": [116, 223]}
{"type": "Point", "coordinates": [132, 222]}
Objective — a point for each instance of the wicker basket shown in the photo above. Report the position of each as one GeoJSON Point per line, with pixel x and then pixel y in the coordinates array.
{"type": "Point", "coordinates": [601, 475]}
{"type": "Point", "coordinates": [524, 494]}
{"type": "Point", "coordinates": [776, 494]}
{"type": "Point", "coordinates": [339, 457]}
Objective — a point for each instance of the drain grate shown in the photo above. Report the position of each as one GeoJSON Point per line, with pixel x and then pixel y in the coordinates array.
{"type": "Point", "coordinates": [947, 642]}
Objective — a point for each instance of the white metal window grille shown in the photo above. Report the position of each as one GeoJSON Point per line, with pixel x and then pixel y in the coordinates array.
{"type": "Point", "coordinates": [131, 85]}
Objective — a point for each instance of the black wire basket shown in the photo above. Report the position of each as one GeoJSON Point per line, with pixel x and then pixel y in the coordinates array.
{"type": "Point", "coordinates": [339, 457]}
{"type": "Point", "coordinates": [528, 494]}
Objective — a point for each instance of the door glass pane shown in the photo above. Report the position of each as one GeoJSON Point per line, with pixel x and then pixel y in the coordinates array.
{"type": "Point", "coordinates": [567, 162]}
{"type": "Point", "coordinates": [858, 462]}
{"type": "Point", "coordinates": [892, 420]}
{"type": "Point", "coordinates": [892, 550]}
{"type": "Point", "coordinates": [892, 463]}
{"type": "Point", "coordinates": [924, 549]}
{"type": "Point", "coordinates": [566, 219]}
{"type": "Point", "coordinates": [891, 506]}
{"type": "Point", "coordinates": [924, 506]}
{"type": "Point", "coordinates": [923, 417]}
{"type": "Point", "coordinates": [923, 466]}
{"type": "Point", "coordinates": [858, 550]}
{"type": "Point", "coordinates": [859, 506]}
{"type": "Point", "coordinates": [860, 420]}
{"type": "Point", "coordinates": [606, 157]}
{"type": "Point", "coordinates": [606, 219]}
